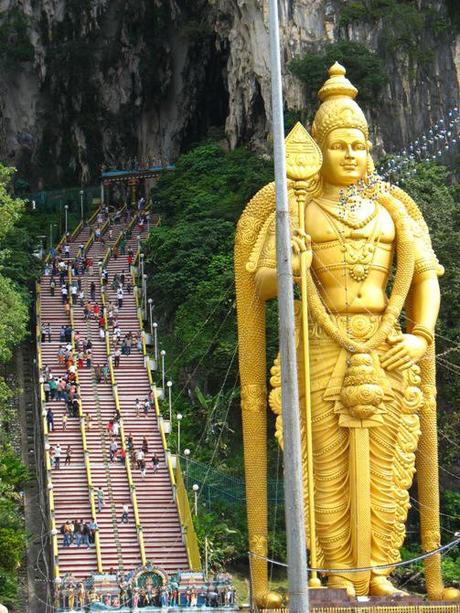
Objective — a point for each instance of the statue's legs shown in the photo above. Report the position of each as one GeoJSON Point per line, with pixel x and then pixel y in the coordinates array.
{"type": "Point", "coordinates": [392, 467]}
{"type": "Point", "coordinates": [330, 453]}
{"type": "Point", "coordinates": [391, 449]}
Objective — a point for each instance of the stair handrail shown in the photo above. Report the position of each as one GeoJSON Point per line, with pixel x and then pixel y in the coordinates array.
{"type": "Point", "coordinates": [185, 515]}
{"type": "Point", "coordinates": [86, 454]}
{"type": "Point", "coordinates": [132, 485]}
{"type": "Point", "coordinates": [92, 235]}
{"type": "Point", "coordinates": [179, 492]}
{"type": "Point", "coordinates": [47, 448]}
{"type": "Point", "coordinates": [109, 251]}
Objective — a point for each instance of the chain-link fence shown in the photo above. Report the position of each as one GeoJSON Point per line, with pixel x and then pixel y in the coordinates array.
{"type": "Point", "coordinates": [75, 198]}
{"type": "Point", "coordinates": [217, 486]}
{"type": "Point", "coordinates": [59, 209]}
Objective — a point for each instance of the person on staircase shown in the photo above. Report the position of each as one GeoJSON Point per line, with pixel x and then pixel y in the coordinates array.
{"type": "Point", "coordinates": [66, 531]}
{"type": "Point", "coordinates": [113, 449]}
{"type": "Point", "coordinates": [77, 526]}
{"type": "Point", "coordinates": [67, 308]}
{"type": "Point", "coordinates": [53, 388]}
{"type": "Point", "coordinates": [130, 442]}
{"type": "Point", "coordinates": [116, 356]}
{"type": "Point", "coordinates": [52, 286]}
{"type": "Point", "coordinates": [120, 297]}
{"type": "Point", "coordinates": [155, 462]}
{"type": "Point", "coordinates": [68, 455]}
{"type": "Point", "coordinates": [64, 292]}
{"type": "Point", "coordinates": [139, 458]}
{"type": "Point", "coordinates": [46, 389]}
{"type": "Point", "coordinates": [57, 456]}
{"type": "Point", "coordinates": [85, 532]}
{"type": "Point", "coordinates": [98, 373]}
{"type": "Point", "coordinates": [92, 291]}
{"type": "Point", "coordinates": [50, 419]}
{"type": "Point", "coordinates": [74, 293]}
{"type": "Point", "coordinates": [125, 513]}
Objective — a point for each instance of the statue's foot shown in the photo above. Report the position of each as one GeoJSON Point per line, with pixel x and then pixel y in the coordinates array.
{"type": "Point", "coordinates": [342, 583]}
{"type": "Point", "coordinates": [450, 593]}
{"type": "Point", "coordinates": [381, 586]}
{"type": "Point", "coordinates": [269, 600]}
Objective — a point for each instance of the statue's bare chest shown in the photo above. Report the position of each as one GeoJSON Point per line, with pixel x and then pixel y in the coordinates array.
{"type": "Point", "coordinates": [358, 243]}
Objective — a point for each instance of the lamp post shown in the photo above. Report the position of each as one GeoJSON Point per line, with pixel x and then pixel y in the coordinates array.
{"type": "Point", "coordinates": [151, 316]}
{"type": "Point", "coordinates": [195, 488]}
{"type": "Point", "coordinates": [144, 292]}
{"type": "Point", "coordinates": [141, 262]}
{"type": "Point", "coordinates": [42, 238]}
{"type": "Point", "coordinates": [163, 354]}
{"type": "Point", "coordinates": [155, 342]}
{"type": "Point", "coordinates": [187, 455]}
{"type": "Point", "coordinates": [169, 385]}
{"type": "Point", "coordinates": [66, 208]}
{"type": "Point", "coordinates": [82, 193]}
{"type": "Point", "coordinates": [295, 523]}
{"type": "Point", "coordinates": [179, 419]}
{"type": "Point", "coordinates": [51, 233]}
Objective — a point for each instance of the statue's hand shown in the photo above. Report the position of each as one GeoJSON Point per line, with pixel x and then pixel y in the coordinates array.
{"type": "Point", "coordinates": [407, 349]}
{"type": "Point", "coordinates": [300, 243]}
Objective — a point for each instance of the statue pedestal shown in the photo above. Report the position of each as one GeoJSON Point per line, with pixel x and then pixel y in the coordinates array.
{"type": "Point", "coordinates": [334, 600]}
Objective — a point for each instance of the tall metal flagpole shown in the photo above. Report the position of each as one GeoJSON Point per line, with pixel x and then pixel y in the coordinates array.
{"type": "Point", "coordinates": [293, 483]}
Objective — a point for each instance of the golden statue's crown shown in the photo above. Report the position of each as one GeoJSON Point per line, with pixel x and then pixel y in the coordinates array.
{"type": "Point", "coordinates": [338, 108]}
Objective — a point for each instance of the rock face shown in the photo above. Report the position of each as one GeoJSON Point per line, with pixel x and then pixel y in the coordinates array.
{"type": "Point", "coordinates": [90, 81]}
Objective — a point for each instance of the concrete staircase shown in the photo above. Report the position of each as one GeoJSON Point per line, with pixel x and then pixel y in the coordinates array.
{"type": "Point", "coordinates": [120, 543]}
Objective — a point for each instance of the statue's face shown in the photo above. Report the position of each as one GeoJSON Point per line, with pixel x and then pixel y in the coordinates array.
{"type": "Point", "coordinates": [345, 152]}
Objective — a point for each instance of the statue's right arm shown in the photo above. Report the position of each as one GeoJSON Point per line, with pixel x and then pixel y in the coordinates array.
{"type": "Point", "coordinates": [266, 282]}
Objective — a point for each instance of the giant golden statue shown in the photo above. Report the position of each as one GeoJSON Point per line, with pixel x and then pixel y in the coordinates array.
{"type": "Point", "coordinates": [369, 402]}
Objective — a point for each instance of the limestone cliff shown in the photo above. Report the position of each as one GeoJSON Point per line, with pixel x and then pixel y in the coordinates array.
{"type": "Point", "coordinates": [91, 81]}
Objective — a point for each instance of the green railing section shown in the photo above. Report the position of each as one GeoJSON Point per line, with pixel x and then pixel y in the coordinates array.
{"type": "Point", "coordinates": [52, 199]}
{"type": "Point", "coordinates": [57, 209]}
{"type": "Point", "coordinates": [216, 486]}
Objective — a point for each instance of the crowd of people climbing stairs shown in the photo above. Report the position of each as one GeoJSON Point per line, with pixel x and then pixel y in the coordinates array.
{"type": "Point", "coordinates": [78, 355]}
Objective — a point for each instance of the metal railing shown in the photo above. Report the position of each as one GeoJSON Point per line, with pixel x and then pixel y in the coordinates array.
{"type": "Point", "coordinates": [132, 486]}
{"type": "Point", "coordinates": [186, 521]}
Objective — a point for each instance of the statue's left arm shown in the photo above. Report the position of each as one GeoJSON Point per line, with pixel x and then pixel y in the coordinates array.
{"type": "Point", "coordinates": [424, 301]}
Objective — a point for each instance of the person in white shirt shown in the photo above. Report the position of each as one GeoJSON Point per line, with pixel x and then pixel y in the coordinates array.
{"type": "Point", "coordinates": [57, 457]}
{"type": "Point", "coordinates": [120, 297]}
{"type": "Point", "coordinates": [124, 516]}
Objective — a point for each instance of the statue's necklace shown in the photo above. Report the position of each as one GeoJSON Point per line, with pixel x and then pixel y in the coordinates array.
{"type": "Point", "coordinates": [348, 216]}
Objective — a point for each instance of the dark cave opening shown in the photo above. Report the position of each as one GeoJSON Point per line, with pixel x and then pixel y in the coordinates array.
{"type": "Point", "coordinates": [211, 104]}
